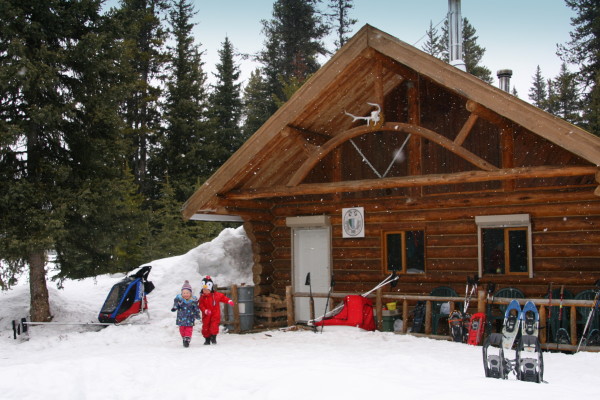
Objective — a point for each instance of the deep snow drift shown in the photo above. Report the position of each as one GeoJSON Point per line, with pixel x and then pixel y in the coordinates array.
{"type": "Point", "coordinates": [148, 361]}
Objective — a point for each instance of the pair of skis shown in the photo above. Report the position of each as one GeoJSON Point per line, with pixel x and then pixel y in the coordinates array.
{"type": "Point", "coordinates": [459, 322]}
{"type": "Point", "coordinates": [22, 326]}
{"type": "Point", "coordinates": [520, 326]}
{"type": "Point", "coordinates": [562, 335]}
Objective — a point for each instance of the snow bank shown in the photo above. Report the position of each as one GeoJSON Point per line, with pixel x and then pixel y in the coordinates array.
{"type": "Point", "coordinates": [147, 360]}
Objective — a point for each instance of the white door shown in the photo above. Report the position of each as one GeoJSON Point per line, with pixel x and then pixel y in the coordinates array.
{"type": "Point", "coordinates": [312, 254]}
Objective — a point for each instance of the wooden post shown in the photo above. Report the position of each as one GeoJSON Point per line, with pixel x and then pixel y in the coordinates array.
{"type": "Point", "coordinates": [573, 325]}
{"type": "Point", "coordinates": [225, 317]}
{"type": "Point", "coordinates": [289, 300]}
{"type": "Point", "coordinates": [379, 308]}
{"type": "Point", "coordinates": [404, 316]}
{"type": "Point", "coordinates": [544, 321]}
{"type": "Point", "coordinates": [481, 301]}
{"type": "Point", "coordinates": [428, 317]}
{"type": "Point", "coordinates": [236, 309]}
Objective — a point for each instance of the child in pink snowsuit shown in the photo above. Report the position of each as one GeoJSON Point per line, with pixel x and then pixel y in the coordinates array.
{"type": "Point", "coordinates": [211, 310]}
{"type": "Point", "coordinates": [186, 306]}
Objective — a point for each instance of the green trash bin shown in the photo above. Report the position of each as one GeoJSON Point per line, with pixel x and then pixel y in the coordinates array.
{"type": "Point", "coordinates": [388, 318]}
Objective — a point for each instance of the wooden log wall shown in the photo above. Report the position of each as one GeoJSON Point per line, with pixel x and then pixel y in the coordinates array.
{"type": "Point", "coordinates": [565, 231]}
{"type": "Point", "coordinates": [259, 234]}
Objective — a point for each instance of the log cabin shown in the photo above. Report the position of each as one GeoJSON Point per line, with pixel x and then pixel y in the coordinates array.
{"type": "Point", "coordinates": [388, 159]}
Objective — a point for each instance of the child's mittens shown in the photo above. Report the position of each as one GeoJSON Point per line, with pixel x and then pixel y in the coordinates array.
{"type": "Point", "coordinates": [230, 302]}
{"type": "Point", "coordinates": [207, 312]}
{"type": "Point", "coordinates": [173, 309]}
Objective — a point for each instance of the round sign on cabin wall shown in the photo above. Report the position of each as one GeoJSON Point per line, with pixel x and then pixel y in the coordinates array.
{"type": "Point", "coordinates": [353, 222]}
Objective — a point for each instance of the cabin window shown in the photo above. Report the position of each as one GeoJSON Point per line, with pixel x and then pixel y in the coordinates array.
{"type": "Point", "coordinates": [504, 245]}
{"type": "Point", "coordinates": [405, 252]}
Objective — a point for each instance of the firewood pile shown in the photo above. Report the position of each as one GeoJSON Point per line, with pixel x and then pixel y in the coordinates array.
{"type": "Point", "coordinates": [270, 311]}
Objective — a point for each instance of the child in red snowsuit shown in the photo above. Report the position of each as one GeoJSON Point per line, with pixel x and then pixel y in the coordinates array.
{"type": "Point", "coordinates": [211, 310]}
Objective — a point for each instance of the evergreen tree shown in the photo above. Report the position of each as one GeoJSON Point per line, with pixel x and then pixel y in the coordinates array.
{"type": "Point", "coordinates": [225, 108]}
{"type": "Point", "coordinates": [584, 47]}
{"type": "Point", "coordinates": [472, 52]}
{"type": "Point", "coordinates": [256, 109]}
{"type": "Point", "coordinates": [340, 20]}
{"type": "Point", "coordinates": [171, 234]}
{"type": "Point", "coordinates": [584, 50]}
{"type": "Point", "coordinates": [292, 45]}
{"type": "Point", "coordinates": [143, 36]}
{"type": "Point", "coordinates": [181, 152]}
{"type": "Point", "coordinates": [538, 93]}
{"type": "Point", "coordinates": [104, 227]}
{"type": "Point", "coordinates": [565, 100]}
{"type": "Point", "coordinates": [433, 45]}
{"type": "Point", "coordinates": [106, 230]}
{"type": "Point", "coordinates": [42, 81]}
{"type": "Point", "coordinates": [591, 111]}
{"type": "Point", "coordinates": [551, 105]}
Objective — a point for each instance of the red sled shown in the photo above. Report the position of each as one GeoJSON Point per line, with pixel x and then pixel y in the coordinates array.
{"type": "Point", "coordinates": [476, 329]}
{"type": "Point", "coordinates": [357, 311]}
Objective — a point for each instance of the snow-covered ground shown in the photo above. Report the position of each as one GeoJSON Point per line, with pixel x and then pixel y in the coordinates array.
{"type": "Point", "coordinates": [148, 361]}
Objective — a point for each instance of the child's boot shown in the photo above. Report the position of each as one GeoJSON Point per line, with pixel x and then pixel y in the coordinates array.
{"type": "Point", "coordinates": [207, 341]}
{"type": "Point", "coordinates": [213, 339]}
{"type": "Point", "coordinates": [186, 341]}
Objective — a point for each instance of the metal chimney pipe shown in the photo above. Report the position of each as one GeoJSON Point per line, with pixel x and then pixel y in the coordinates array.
{"type": "Point", "coordinates": [455, 39]}
{"type": "Point", "coordinates": [504, 76]}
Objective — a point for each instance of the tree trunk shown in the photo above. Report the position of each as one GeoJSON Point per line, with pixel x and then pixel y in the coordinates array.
{"type": "Point", "coordinates": [40, 306]}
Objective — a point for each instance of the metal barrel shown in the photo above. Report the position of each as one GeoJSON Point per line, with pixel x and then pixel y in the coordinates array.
{"type": "Point", "coordinates": [245, 304]}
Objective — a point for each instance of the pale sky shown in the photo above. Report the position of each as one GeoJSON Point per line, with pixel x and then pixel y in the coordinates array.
{"type": "Point", "coordinates": [517, 34]}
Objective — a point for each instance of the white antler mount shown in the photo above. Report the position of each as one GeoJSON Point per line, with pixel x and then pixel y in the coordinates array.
{"type": "Point", "coordinates": [375, 117]}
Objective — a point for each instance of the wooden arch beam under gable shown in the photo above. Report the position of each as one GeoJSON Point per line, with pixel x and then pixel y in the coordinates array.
{"type": "Point", "coordinates": [322, 151]}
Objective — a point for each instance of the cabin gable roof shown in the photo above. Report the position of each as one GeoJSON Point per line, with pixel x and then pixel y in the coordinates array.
{"type": "Point", "coordinates": [297, 150]}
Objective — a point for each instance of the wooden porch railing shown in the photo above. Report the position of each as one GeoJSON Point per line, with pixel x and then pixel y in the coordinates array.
{"type": "Point", "coordinates": [477, 304]}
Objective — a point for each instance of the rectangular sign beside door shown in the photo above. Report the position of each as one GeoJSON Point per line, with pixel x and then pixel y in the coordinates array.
{"type": "Point", "coordinates": [353, 222]}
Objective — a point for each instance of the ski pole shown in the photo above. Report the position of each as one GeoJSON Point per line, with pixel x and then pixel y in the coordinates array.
{"type": "Point", "coordinates": [549, 318]}
{"type": "Point", "coordinates": [394, 279]}
{"type": "Point", "coordinates": [560, 312]}
{"type": "Point", "coordinates": [560, 307]}
{"type": "Point", "coordinates": [491, 288]}
{"type": "Point", "coordinates": [466, 293]}
{"type": "Point", "coordinates": [331, 285]}
{"type": "Point", "coordinates": [472, 284]}
{"type": "Point", "coordinates": [466, 322]}
{"type": "Point", "coordinates": [387, 280]}
{"type": "Point", "coordinates": [596, 299]}
{"type": "Point", "coordinates": [475, 281]}
{"type": "Point", "coordinates": [312, 300]}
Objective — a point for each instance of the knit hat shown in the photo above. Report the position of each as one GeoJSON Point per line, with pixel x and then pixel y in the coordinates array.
{"type": "Point", "coordinates": [186, 286]}
{"type": "Point", "coordinates": [207, 283]}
